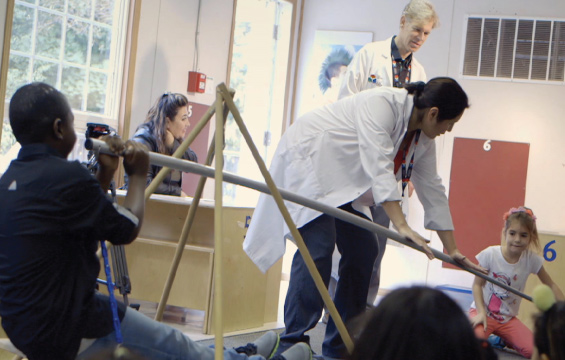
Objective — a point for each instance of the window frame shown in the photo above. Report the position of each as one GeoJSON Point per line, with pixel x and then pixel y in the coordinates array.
{"type": "Point", "coordinates": [118, 58]}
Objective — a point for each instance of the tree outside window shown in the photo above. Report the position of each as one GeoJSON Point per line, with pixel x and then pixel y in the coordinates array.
{"type": "Point", "coordinates": [74, 45]}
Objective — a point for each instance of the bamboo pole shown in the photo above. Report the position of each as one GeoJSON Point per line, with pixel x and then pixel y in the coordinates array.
{"type": "Point", "coordinates": [182, 240]}
{"type": "Point", "coordinates": [5, 59]}
{"type": "Point", "coordinates": [4, 72]}
{"type": "Point", "coordinates": [322, 289]}
{"type": "Point", "coordinates": [218, 230]}
{"type": "Point", "coordinates": [188, 166]}
{"type": "Point", "coordinates": [185, 232]}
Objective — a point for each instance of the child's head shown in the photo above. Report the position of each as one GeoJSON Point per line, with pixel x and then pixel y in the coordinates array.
{"type": "Point", "coordinates": [549, 328]}
{"type": "Point", "coordinates": [39, 113]}
{"type": "Point", "coordinates": [416, 323]}
{"type": "Point", "coordinates": [521, 222]}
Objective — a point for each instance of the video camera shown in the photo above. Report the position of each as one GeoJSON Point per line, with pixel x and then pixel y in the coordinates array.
{"type": "Point", "coordinates": [94, 130]}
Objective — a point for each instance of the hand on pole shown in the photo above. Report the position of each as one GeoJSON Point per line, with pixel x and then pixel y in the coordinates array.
{"type": "Point", "coordinates": [136, 158]}
{"type": "Point", "coordinates": [416, 238]}
{"type": "Point", "coordinates": [463, 260]}
{"type": "Point", "coordinates": [109, 163]}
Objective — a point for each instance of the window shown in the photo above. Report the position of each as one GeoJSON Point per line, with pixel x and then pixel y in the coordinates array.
{"type": "Point", "coordinates": [515, 49]}
{"type": "Point", "coordinates": [77, 46]}
{"type": "Point", "coordinates": [259, 73]}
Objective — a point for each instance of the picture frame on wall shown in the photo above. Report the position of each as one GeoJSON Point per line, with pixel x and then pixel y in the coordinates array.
{"type": "Point", "coordinates": [331, 53]}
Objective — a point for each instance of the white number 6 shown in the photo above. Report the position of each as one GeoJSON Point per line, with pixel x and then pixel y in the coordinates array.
{"type": "Point", "coordinates": [486, 145]}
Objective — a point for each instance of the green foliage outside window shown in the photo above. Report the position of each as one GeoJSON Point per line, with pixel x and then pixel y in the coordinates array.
{"type": "Point", "coordinates": [69, 50]}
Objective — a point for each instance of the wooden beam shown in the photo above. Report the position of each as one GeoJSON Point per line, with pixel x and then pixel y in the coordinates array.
{"type": "Point", "coordinates": [5, 58]}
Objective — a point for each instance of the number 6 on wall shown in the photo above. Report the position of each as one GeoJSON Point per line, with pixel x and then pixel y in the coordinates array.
{"type": "Point", "coordinates": [548, 253]}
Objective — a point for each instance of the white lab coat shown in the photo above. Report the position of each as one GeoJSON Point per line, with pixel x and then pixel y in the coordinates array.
{"type": "Point", "coordinates": [336, 153]}
{"type": "Point", "coordinates": [374, 59]}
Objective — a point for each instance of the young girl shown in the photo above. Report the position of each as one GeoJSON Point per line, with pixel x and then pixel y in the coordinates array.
{"type": "Point", "coordinates": [494, 309]}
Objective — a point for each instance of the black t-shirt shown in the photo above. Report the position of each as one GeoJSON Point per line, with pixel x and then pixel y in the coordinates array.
{"type": "Point", "coordinates": [52, 214]}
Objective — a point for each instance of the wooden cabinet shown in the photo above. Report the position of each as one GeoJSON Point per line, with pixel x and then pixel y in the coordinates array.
{"type": "Point", "coordinates": [552, 249]}
{"type": "Point", "coordinates": [250, 297]}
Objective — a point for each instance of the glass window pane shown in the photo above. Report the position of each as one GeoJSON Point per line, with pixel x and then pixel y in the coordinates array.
{"type": "Point", "coordinates": [82, 8]}
{"type": "Point", "coordinates": [104, 11]}
{"type": "Point", "coordinates": [8, 139]}
{"type": "Point", "coordinates": [45, 71]}
{"type": "Point", "coordinates": [49, 30]}
{"type": "Point", "coordinates": [76, 45]}
{"type": "Point", "coordinates": [258, 74]}
{"type": "Point", "coordinates": [22, 29]}
{"type": "Point", "coordinates": [97, 85]}
{"type": "Point", "coordinates": [72, 85]}
{"type": "Point", "coordinates": [18, 74]}
{"type": "Point", "coordinates": [58, 5]}
{"type": "Point", "coordinates": [101, 43]}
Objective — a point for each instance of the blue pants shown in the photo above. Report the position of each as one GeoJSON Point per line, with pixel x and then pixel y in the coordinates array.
{"type": "Point", "coordinates": [156, 341]}
{"type": "Point", "coordinates": [379, 217]}
{"type": "Point", "coordinates": [303, 305]}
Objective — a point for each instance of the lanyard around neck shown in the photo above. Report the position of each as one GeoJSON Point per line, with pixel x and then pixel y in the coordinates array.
{"type": "Point", "coordinates": [397, 71]}
{"type": "Point", "coordinates": [407, 169]}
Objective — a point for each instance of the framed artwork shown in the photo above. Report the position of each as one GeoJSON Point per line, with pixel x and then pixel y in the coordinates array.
{"type": "Point", "coordinates": [330, 55]}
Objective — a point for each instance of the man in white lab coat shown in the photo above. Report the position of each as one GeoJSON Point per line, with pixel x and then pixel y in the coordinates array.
{"type": "Point", "coordinates": [389, 63]}
{"type": "Point", "coordinates": [333, 155]}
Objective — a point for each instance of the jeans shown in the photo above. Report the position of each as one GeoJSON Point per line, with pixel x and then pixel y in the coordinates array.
{"type": "Point", "coordinates": [379, 217]}
{"type": "Point", "coordinates": [156, 341]}
{"type": "Point", "coordinates": [303, 305]}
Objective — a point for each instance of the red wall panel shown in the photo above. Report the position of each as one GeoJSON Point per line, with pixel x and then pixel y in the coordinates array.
{"type": "Point", "coordinates": [483, 186]}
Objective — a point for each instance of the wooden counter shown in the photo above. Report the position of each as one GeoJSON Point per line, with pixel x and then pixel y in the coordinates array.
{"type": "Point", "coordinates": [250, 297]}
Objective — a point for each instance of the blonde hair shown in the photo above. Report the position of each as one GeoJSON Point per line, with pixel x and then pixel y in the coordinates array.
{"type": "Point", "coordinates": [421, 11]}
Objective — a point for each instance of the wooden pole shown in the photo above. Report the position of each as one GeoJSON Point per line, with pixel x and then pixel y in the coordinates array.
{"type": "Point", "coordinates": [4, 72]}
{"type": "Point", "coordinates": [183, 239]}
{"type": "Point", "coordinates": [322, 289]}
{"type": "Point", "coordinates": [5, 59]}
{"type": "Point", "coordinates": [188, 166]}
{"type": "Point", "coordinates": [218, 229]}
{"type": "Point", "coordinates": [185, 232]}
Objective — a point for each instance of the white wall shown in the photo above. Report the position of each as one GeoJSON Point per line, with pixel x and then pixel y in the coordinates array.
{"type": "Point", "coordinates": [166, 48]}
{"type": "Point", "coordinates": [517, 112]}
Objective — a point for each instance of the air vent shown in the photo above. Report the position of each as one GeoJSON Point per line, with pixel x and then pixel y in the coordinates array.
{"type": "Point", "coordinates": [517, 49]}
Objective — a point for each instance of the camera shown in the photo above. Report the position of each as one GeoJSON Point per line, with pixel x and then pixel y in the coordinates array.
{"type": "Point", "coordinates": [95, 130]}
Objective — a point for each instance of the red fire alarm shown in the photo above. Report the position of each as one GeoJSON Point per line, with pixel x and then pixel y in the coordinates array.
{"type": "Point", "coordinates": [196, 82]}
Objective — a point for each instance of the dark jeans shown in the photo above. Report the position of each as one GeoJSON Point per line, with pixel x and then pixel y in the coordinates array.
{"type": "Point", "coordinates": [303, 305]}
{"type": "Point", "coordinates": [379, 217]}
